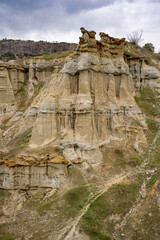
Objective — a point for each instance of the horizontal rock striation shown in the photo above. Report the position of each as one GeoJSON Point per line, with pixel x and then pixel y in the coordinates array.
{"type": "Point", "coordinates": [23, 172]}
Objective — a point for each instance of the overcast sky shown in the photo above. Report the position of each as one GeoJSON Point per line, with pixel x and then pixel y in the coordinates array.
{"type": "Point", "coordinates": [60, 20]}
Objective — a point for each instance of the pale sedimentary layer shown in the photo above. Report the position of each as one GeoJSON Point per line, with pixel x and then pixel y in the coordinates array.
{"type": "Point", "coordinates": [23, 177]}
{"type": "Point", "coordinates": [23, 172]}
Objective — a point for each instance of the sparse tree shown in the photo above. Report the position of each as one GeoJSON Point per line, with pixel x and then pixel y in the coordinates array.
{"type": "Point", "coordinates": [149, 47]}
{"type": "Point", "coordinates": [135, 37]}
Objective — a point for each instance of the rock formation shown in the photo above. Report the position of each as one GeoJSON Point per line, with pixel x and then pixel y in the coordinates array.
{"type": "Point", "coordinates": [11, 79]}
{"type": "Point", "coordinates": [90, 103]}
{"type": "Point", "coordinates": [86, 103]}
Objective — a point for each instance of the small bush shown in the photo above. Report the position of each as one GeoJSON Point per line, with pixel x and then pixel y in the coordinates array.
{"type": "Point", "coordinates": [149, 47]}
{"type": "Point", "coordinates": [120, 159]}
{"type": "Point", "coordinates": [135, 37]}
{"type": "Point", "coordinates": [119, 152]}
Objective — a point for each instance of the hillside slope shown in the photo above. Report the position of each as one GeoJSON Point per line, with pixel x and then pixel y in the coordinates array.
{"type": "Point", "coordinates": [13, 49]}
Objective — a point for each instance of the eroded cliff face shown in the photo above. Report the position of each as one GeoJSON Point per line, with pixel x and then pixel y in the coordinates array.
{"type": "Point", "coordinates": [79, 105]}
{"type": "Point", "coordinates": [8, 84]}
{"type": "Point", "coordinates": [89, 103]}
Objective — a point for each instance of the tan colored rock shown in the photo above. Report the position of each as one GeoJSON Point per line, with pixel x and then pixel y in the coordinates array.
{"type": "Point", "coordinates": [87, 103]}
{"type": "Point", "coordinates": [7, 99]}
{"type": "Point", "coordinates": [24, 171]}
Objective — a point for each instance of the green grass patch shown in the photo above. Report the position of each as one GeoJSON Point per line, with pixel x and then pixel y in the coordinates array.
{"type": "Point", "coordinates": [4, 125]}
{"type": "Point", "coordinates": [153, 125]}
{"type": "Point", "coordinates": [67, 206]}
{"type": "Point", "coordinates": [21, 97]}
{"type": "Point", "coordinates": [145, 225]}
{"type": "Point", "coordinates": [148, 102]}
{"type": "Point", "coordinates": [45, 207]}
{"type": "Point", "coordinates": [131, 54]}
{"type": "Point", "coordinates": [20, 142]}
{"type": "Point", "coordinates": [153, 179]}
{"type": "Point", "coordinates": [154, 161]}
{"type": "Point", "coordinates": [37, 88]}
{"type": "Point", "coordinates": [76, 198]}
{"type": "Point", "coordinates": [4, 235]}
{"type": "Point", "coordinates": [120, 158]}
{"type": "Point", "coordinates": [3, 193]}
{"type": "Point", "coordinates": [115, 202]}
{"type": "Point", "coordinates": [57, 55]}
{"type": "Point", "coordinates": [138, 123]}
{"type": "Point", "coordinates": [134, 161]}
{"type": "Point", "coordinates": [58, 150]}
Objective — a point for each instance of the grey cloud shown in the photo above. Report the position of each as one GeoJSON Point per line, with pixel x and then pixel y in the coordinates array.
{"type": "Point", "coordinates": [61, 19]}
{"type": "Point", "coordinates": [71, 6]}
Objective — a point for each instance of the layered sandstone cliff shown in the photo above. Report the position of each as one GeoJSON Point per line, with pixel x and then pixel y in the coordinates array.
{"type": "Point", "coordinates": [89, 103]}
{"type": "Point", "coordinates": [84, 102]}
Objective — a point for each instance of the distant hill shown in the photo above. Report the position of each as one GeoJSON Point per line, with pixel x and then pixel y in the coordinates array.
{"type": "Point", "coordinates": [11, 49]}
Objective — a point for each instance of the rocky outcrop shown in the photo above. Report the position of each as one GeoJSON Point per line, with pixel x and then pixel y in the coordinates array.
{"type": "Point", "coordinates": [142, 74]}
{"type": "Point", "coordinates": [9, 82]}
{"type": "Point", "coordinates": [86, 103]}
{"type": "Point", "coordinates": [13, 77]}
{"type": "Point", "coordinates": [23, 172]}
{"type": "Point", "coordinates": [89, 103]}
{"type": "Point", "coordinates": [151, 77]}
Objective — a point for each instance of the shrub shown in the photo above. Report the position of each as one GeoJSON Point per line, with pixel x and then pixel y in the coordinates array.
{"type": "Point", "coordinates": [149, 47]}
{"type": "Point", "coordinates": [135, 37]}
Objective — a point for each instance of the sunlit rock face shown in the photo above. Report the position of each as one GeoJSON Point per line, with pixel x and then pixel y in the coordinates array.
{"type": "Point", "coordinates": [89, 103]}
{"type": "Point", "coordinates": [11, 79]}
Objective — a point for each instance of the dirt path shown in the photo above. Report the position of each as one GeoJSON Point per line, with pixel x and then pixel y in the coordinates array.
{"type": "Point", "coordinates": [142, 192]}
{"type": "Point", "coordinates": [70, 233]}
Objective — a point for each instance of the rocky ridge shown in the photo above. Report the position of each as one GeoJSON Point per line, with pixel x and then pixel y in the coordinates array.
{"type": "Point", "coordinates": [12, 49]}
